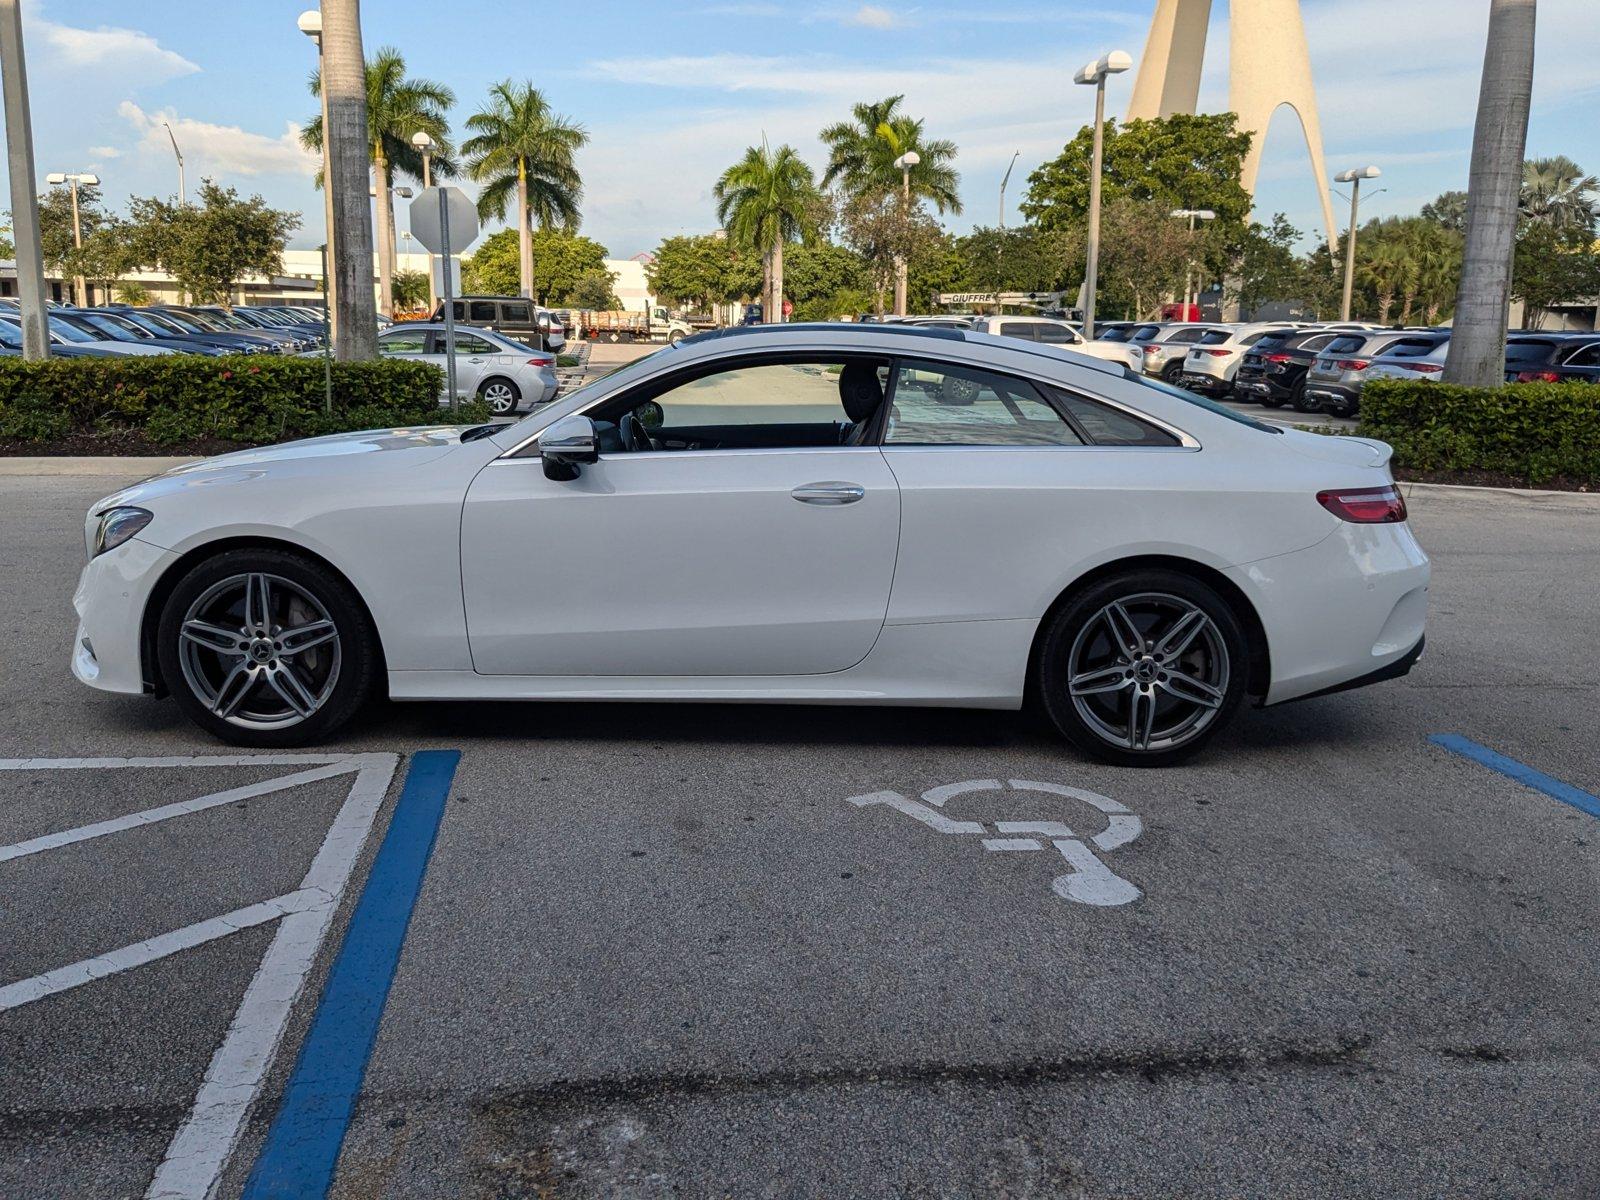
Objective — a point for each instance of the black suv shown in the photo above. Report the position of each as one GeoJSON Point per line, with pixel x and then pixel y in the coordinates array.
{"type": "Point", "coordinates": [1273, 371]}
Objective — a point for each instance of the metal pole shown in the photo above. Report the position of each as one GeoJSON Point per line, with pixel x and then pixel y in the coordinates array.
{"type": "Point", "coordinates": [427, 182]}
{"type": "Point", "coordinates": [24, 204]}
{"type": "Point", "coordinates": [1350, 251]}
{"type": "Point", "coordinates": [901, 272]}
{"type": "Point", "coordinates": [327, 338]}
{"type": "Point", "coordinates": [79, 287]}
{"type": "Point", "coordinates": [1091, 275]}
{"type": "Point", "coordinates": [1005, 179]}
{"type": "Point", "coordinates": [182, 192]}
{"type": "Point", "coordinates": [449, 304]}
{"type": "Point", "coordinates": [1188, 272]}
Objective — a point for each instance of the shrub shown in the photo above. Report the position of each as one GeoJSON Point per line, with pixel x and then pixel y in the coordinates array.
{"type": "Point", "coordinates": [1534, 431]}
{"type": "Point", "coordinates": [175, 399]}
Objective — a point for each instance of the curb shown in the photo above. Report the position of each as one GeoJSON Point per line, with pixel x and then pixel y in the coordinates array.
{"type": "Point", "coordinates": [107, 464]}
{"type": "Point", "coordinates": [1531, 495]}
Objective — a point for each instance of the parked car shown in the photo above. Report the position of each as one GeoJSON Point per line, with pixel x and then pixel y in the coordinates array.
{"type": "Point", "coordinates": [109, 327]}
{"type": "Point", "coordinates": [11, 341]}
{"type": "Point", "coordinates": [1165, 347]}
{"type": "Point", "coordinates": [181, 325]}
{"type": "Point", "coordinates": [1553, 358]}
{"type": "Point", "coordinates": [1335, 378]}
{"type": "Point", "coordinates": [195, 321]}
{"type": "Point", "coordinates": [1051, 331]}
{"type": "Point", "coordinates": [287, 341]}
{"type": "Point", "coordinates": [1415, 357]}
{"type": "Point", "coordinates": [1212, 363]}
{"type": "Point", "coordinates": [933, 517]}
{"type": "Point", "coordinates": [505, 374]}
{"type": "Point", "coordinates": [304, 337]}
{"type": "Point", "coordinates": [63, 333]}
{"type": "Point", "coordinates": [1273, 371]}
{"type": "Point", "coordinates": [515, 317]}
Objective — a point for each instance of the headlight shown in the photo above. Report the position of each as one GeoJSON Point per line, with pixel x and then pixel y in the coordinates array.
{"type": "Point", "coordinates": [117, 525]}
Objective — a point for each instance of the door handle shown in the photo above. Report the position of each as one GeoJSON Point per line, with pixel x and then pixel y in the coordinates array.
{"type": "Point", "coordinates": [828, 493]}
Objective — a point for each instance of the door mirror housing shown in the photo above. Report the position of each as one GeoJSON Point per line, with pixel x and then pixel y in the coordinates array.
{"type": "Point", "coordinates": [566, 445]}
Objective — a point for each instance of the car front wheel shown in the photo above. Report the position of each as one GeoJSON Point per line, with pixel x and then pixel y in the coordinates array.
{"type": "Point", "coordinates": [265, 648]}
{"type": "Point", "coordinates": [1143, 668]}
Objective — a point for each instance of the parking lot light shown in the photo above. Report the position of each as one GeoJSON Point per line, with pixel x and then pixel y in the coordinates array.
{"type": "Point", "coordinates": [310, 24]}
{"type": "Point", "coordinates": [905, 162]}
{"type": "Point", "coordinates": [1094, 75]}
{"type": "Point", "coordinates": [1189, 274]}
{"type": "Point", "coordinates": [1353, 177]}
{"type": "Point", "coordinates": [80, 287]}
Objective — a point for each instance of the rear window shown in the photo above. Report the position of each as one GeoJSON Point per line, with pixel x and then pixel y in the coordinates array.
{"type": "Point", "coordinates": [1121, 334]}
{"type": "Point", "coordinates": [1216, 337]}
{"type": "Point", "coordinates": [1199, 401]}
{"type": "Point", "coordinates": [516, 314]}
{"type": "Point", "coordinates": [1413, 347]}
{"type": "Point", "coordinates": [1345, 345]}
{"type": "Point", "coordinates": [1143, 333]}
{"type": "Point", "coordinates": [1055, 335]}
{"type": "Point", "coordinates": [1529, 352]}
{"type": "Point", "coordinates": [1273, 338]}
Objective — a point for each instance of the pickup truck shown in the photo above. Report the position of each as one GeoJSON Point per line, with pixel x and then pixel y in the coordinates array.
{"type": "Point", "coordinates": [653, 325]}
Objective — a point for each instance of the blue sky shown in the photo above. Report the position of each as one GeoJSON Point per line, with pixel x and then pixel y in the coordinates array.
{"type": "Point", "coordinates": [673, 92]}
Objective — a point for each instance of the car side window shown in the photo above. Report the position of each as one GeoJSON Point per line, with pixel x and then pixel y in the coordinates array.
{"type": "Point", "coordinates": [943, 404]}
{"type": "Point", "coordinates": [467, 343]}
{"type": "Point", "coordinates": [1107, 426]}
{"type": "Point", "coordinates": [483, 311]}
{"type": "Point", "coordinates": [1056, 335]}
{"type": "Point", "coordinates": [1188, 336]}
{"type": "Point", "coordinates": [1018, 329]}
{"type": "Point", "coordinates": [1589, 356]}
{"type": "Point", "coordinates": [405, 341]}
{"type": "Point", "coordinates": [513, 313]}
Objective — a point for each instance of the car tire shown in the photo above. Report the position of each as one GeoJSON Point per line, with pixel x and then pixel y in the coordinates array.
{"type": "Point", "coordinates": [1124, 703]}
{"type": "Point", "coordinates": [1170, 373]}
{"type": "Point", "coordinates": [239, 692]}
{"type": "Point", "coordinates": [501, 395]}
{"type": "Point", "coordinates": [1300, 403]}
{"type": "Point", "coordinates": [1267, 400]}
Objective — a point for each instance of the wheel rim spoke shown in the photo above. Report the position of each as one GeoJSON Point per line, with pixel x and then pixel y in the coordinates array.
{"type": "Point", "coordinates": [1124, 633]}
{"type": "Point", "coordinates": [235, 686]}
{"type": "Point", "coordinates": [287, 685]}
{"type": "Point", "coordinates": [258, 602]}
{"type": "Point", "coordinates": [1141, 718]}
{"type": "Point", "coordinates": [1106, 679]}
{"type": "Point", "coordinates": [1177, 640]}
{"type": "Point", "coordinates": [1188, 688]}
{"type": "Point", "coordinates": [304, 637]}
{"type": "Point", "coordinates": [213, 637]}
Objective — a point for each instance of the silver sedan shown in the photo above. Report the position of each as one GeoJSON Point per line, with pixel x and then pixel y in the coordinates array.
{"type": "Point", "coordinates": [506, 375]}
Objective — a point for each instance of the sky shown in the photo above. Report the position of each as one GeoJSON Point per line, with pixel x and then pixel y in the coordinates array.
{"type": "Point", "coordinates": [672, 93]}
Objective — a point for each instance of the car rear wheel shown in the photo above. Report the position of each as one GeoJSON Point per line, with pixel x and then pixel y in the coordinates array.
{"type": "Point", "coordinates": [1170, 373]}
{"type": "Point", "coordinates": [1143, 668]}
{"type": "Point", "coordinates": [266, 648]}
{"type": "Point", "coordinates": [501, 395]}
{"type": "Point", "coordinates": [1300, 402]}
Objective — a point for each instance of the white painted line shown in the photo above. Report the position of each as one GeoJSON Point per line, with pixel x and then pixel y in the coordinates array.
{"type": "Point", "coordinates": [183, 808]}
{"type": "Point", "coordinates": [937, 796]}
{"type": "Point", "coordinates": [1091, 881]}
{"type": "Point", "coordinates": [26, 991]}
{"type": "Point", "coordinates": [187, 760]}
{"type": "Point", "coordinates": [199, 1152]}
{"type": "Point", "coordinates": [928, 816]}
{"type": "Point", "coordinates": [1012, 844]}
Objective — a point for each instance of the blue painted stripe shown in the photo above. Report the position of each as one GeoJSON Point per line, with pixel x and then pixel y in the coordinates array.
{"type": "Point", "coordinates": [1521, 772]}
{"type": "Point", "coordinates": [302, 1147]}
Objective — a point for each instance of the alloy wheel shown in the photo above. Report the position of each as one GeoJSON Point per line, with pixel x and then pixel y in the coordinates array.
{"type": "Point", "coordinates": [1148, 671]}
{"type": "Point", "coordinates": [259, 651]}
{"type": "Point", "coordinates": [500, 398]}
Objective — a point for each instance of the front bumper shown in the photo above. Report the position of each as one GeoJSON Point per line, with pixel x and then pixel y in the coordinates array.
{"type": "Point", "coordinates": [110, 601]}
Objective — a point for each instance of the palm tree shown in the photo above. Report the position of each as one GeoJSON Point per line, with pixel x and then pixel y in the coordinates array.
{"type": "Point", "coordinates": [397, 107]}
{"type": "Point", "coordinates": [1478, 343]}
{"type": "Point", "coordinates": [357, 323]}
{"type": "Point", "coordinates": [862, 155]}
{"type": "Point", "coordinates": [1557, 193]}
{"type": "Point", "coordinates": [519, 145]}
{"type": "Point", "coordinates": [765, 199]}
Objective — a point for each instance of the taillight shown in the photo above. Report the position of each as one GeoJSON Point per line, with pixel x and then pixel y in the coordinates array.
{"type": "Point", "coordinates": [1279, 358]}
{"type": "Point", "coordinates": [1538, 377]}
{"type": "Point", "coordinates": [1425, 368]}
{"type": "Point", "coordinates": [541, 360]}
{"type": "Point", "coordinates": [1151, 349]}
{"type": "Point", "coordinates": [1367, 506]}
{"type": "Point", "coordinates": [1217, 353]}
{"type": "Point", "coordinates": [1352, 364]}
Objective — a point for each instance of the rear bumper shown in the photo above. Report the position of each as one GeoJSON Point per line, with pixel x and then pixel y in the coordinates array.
{"type": "Point", "coordinates": [1199, 381]}
{"type": "Point", "coordinates": [1399, 667]}
{"type": "Point", "coordinates": [1261, 385]}
{"type": "Point", "coordinates": [1332, 393]}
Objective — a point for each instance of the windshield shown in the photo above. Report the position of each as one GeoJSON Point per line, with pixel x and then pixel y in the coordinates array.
{"type": "Point", "coordinates": [70, 331]}
{"type": "Point", "coordinates": [116, 326]}
{"type": "Point", "coordinates": [1199, 401]}
{"type": "Point", "coordinates": [157, 325]}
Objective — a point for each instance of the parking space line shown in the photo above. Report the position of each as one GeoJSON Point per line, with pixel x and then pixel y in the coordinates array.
{"type": "Point", "coordinates": [183, 808]}
{"type": "Point", "coordinates": [1521, 772]}
{"type": "Point", "coordinates": [200, 1150]}
{"type": "Point", "coordinates": [26, 991]}
{"type": "Point", "coordinates": [186, 760]}
{"type": "Point", "coordinates": [302, 1146]}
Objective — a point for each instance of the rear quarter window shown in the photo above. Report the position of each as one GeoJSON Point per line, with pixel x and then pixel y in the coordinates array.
{"type": "Point", "coordinates": [1107, 426]}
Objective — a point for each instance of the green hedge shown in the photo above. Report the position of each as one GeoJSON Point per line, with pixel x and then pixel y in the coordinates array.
{"type": "Point", "coordinates": [1535, 431]}
{"type": "Point", "coordinates": [175, 399]}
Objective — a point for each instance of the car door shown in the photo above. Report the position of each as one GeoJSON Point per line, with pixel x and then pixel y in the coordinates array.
{"type": "Point", "coordinates": [746, 541]}
{"type": "Point", "coordinates": [474, 355]}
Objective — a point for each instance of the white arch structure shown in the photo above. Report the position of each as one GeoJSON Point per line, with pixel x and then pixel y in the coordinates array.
{"type": "Point", "coordinates": [1269, 68]}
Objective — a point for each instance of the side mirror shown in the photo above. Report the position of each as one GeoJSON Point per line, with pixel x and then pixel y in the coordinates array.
{"type": "Point", "coordinates": [566, 444]}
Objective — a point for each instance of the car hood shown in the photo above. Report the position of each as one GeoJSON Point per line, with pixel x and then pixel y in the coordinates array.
{"type": "Point", "coordinates": [1347, 451]}
{"type": "Point", "coordinates": [370, 449]}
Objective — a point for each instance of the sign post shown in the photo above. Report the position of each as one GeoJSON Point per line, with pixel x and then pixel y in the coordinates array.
{"type": "Point", "coordinates": [442, 217]}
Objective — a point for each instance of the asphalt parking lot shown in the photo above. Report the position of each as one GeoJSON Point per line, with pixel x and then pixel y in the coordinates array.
{"type": "Point", "coordinates": [687, 951]}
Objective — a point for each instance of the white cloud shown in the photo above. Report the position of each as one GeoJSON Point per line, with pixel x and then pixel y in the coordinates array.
{"type": "Point", "coordinates": [124, 50]}
{"type": "Point", "coordinates": [105, 152]}
{"type": "Point", "coordinates": [216, 149]}
{"type": "Point", "coordinates": [870, 16]}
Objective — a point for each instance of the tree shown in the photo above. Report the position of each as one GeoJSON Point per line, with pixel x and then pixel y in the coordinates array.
{"type": "Point", "coordinates": [1556, 192]}
{"type": "Point", "coordinates": [134, 294]}
{"type": "Point", "coordinates": [519, 146]}
{"type": "Point", "coordinates": [1448, 210]}
{"type": "Point", "coordinates": [887, 232]}
{"type": "Point", "coordinates": [1181, 161]}
{"type": "Point", "coordinates": [1478, 342]}
{"type": "Point", "coordinates": [1267, 267]}
{"type": "Point", "coordinates": [1144, 255]}
{"type": "Point", "coordinates": [594, 290]}
{"type": "Point", "coordinates": [104, 254]}
{"type": "Point", "coordinates": [410, 290]}
{"type": "Point", "coordinates": [397, 107]}
{"type": "Point", "coordinates": [210, 245]}
{"type": "Point", "coordinates": [1025, 259]}
{"type": "Point", "coordinates": [862, 158]}
{"type": "Point", "coordinates": [765, 199]}
{"type": "Point", "coordinates": [695, 271]}
{"type": "Point", "coordinates": [345, 81]}
{"type": "Point", "coordinates": [820, 270]}
{"type": "Point", "coordinates": [1550, 266]}
{"type": "Point", "coordinates": [560, 259]}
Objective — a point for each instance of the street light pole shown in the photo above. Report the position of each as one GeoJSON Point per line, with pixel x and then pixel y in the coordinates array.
{"type": "Point", "coordinates": [905, 162]}
{"type": "Point", "coordinates": [1353, 177]}
{"type": "Point", "coordinates": [424, 143]}
{"type": "Point", "coordinates": [80, 286]}
{"type": "Point", "coordinates": [182, 192]}
{"type": "Point", "coordinates": [24, 203]}
{"type": "Point", "coordinates": [1190, 275]}
{"type": "Point", "coordinates": [310, 23]}
{"type": "Point", "coordinates": [1005, 179]}
{"type": "Point", "coordinates": [1095, 74]}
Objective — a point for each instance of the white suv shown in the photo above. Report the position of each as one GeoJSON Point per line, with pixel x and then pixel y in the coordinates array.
{"type": "Point", "coordinates": [1211, 365]}
{"type": "Point", "coordinates": [1052, 331]}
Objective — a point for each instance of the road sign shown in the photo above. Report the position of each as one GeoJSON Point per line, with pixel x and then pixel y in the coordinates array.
{"type": "Point", "coordinates": [425, 219]}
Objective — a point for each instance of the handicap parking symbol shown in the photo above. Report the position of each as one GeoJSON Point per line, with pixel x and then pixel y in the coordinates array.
{"type": "Point", "coordinates": [1088, 881]}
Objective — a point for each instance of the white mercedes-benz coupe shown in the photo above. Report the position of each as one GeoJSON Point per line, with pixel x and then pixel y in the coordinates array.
{"type": "Point", "coordinates": [831, 514]}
